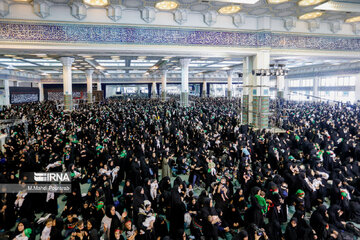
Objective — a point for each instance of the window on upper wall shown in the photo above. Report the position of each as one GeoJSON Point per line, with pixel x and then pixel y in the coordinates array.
{"type": "Point", "coordinates": [307, 83]}
{"type": "Point", "coordinates": [332, 81]}
{"type": "Point", "coordinates": [295, 83]}
{"type": "Point", "coordinates": [337, 81]}
{"type": "Point", "coordinates": [301, 96]}
{"type": "Point", "coordinates": [340, 81]}
{"type": "Point", "coordinates": [352, 81]}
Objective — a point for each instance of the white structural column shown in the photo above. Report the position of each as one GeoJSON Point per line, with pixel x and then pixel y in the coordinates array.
{"type": "Point", "coordinates": [98, 84]}
{"type": "Point", "coordinates": [89, 84]}
{"type": "Point", "coordinates": [67, 81]}
{"type": "Point", "coordinates": [138, 90]}
{"type": "Point", "coordinates": [286, 90]}
{"type": "Point", "coordinates": [357, 89]}
{"type": "Point", "coordinates": [153, 90]}
{"type": "Point", "coordinates": [185, 81]}
{"type": "Point", "coordinates": [163, 85]}
{"type": "Point", "coordinates": [316, 93]}
{"type": "Point", "coordinates": [247, 68]}
{"type": "Point", "coordinates": [41, 91]}
{"type": "Point", "coordinates": [7, 93]}
{"type": "Point", "coordinates": [229, 83]}
{"type": "Point", "coordinates": [280, 86]}
{"type": "Point", "coordinates": [204, 89]}
{"type": "Point", "coordinates": [261, 92]}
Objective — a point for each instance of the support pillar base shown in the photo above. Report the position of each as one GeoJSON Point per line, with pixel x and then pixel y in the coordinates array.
{"type": "Point", "coordinates": [89, 97]}
{"type": "Point", "coordinates": [203, 94]}
{"type": "Point", "coordinates": [153, 95]}
{"type": "Point", "coordinates": [229, 94]}
{"type": "Point", "coordinates": [68, 105]}
{"type": "Point", "coordinates": [184, 99]}
{"type": "Point", "coordinates": [261, 111]}
{"type": "Point", "coordinates": [245, 110]}
{"type": "Point", "coordinates": [163, 96]}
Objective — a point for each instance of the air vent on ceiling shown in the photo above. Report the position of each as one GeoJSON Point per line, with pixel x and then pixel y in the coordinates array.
{"type": "Point", "coordinates": [340, 5]}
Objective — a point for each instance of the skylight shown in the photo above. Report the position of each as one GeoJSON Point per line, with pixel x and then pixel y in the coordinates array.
{"type": "Point", "coordinates": [112, 64]}
{"type": "Point", "coordinates": [19, 64]}
{"type": "Point", "coordinates": [51, 64]}
{"type": "Point", "coordinates": [41, 60]}
{"type": "Point", "coordinates": [137, 71]}
{"type": "Point", "coordinates": [219, 65]}
{"type": "Point", "coordinates": [144, 61]}
{"type": "Point", "coordinates": [110, 61]}
{"type": "Point", "coordinates": [142, 64]}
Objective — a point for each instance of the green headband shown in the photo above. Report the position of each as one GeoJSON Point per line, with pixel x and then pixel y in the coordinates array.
{"type": "Point", "coordinates": [344, 194]}
{"type": "Point", "coordinates": [300, 192]}
{"type": "Point", "coordinates": [100, 205]}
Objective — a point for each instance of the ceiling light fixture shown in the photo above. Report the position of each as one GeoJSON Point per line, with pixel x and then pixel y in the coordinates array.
{"type": "Point", "coordinates": [311, 15]}
{"type": "Point", "coordinates": [305, 3]}
{"type": "Point", "coordinates": [276, 1]}
{"type": "Point", "coordinates": [353, 19]}
{"type": "Point", "coordinates": [230, 9]}
{"type": "Point", "coordinates": [166, 5]}
{"type": "Point", "coordinates": [96, 3]}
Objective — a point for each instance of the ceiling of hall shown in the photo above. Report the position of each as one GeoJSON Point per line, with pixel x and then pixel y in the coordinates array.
{"type": "Point", "coordinates": [261, 8]}
{"type": "Point", "coordinates": [49, 64]}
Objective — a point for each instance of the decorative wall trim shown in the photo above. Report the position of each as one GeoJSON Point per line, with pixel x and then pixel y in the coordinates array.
{"type": "Point", "coordinates": [114, 34]}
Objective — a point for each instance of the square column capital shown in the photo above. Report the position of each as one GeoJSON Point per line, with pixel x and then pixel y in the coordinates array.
{"type": "Point", "coordinates": [67, 61]}
{"type": "Point", "coordinates": [185, 62]}
{"type": "Point", "coordinates": [89, 73]}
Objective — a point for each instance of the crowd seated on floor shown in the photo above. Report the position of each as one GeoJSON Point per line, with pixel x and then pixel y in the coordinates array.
{"type": "Point", "coordinates": [154, 170]}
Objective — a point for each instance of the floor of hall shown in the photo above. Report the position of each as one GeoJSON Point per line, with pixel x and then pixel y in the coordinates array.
{"type": "Point", "coordinates": [197, 191]}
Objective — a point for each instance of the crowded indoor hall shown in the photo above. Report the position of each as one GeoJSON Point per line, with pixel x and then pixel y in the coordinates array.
{"type": "Point", "coordinates": [180, 119]}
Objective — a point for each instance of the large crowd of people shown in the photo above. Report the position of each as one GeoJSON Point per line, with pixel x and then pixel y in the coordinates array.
{"type": "Point", "coordinates": [146, 169]}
